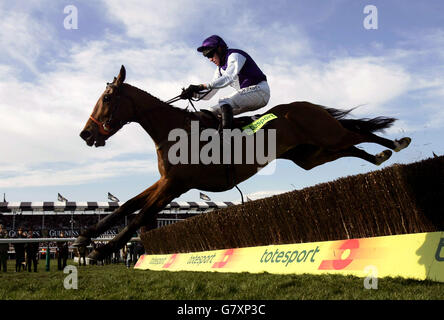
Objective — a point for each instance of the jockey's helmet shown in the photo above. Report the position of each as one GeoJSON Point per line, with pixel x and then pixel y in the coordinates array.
{"type": "Point", "coordinates": [210, 45]}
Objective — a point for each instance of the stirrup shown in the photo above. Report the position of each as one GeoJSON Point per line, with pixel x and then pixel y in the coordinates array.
{"type": "Point", "coordinates": [227, 116]}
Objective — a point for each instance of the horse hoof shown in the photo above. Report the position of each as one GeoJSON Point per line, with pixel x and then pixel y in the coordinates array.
{"type": "Point", "coordinates": [402, 144]}
{"type": "Point", "coordinates": [81, 241]}
{"type": "Point", "coordinates": [95, 255]}
{"type": "Point", "coordinates": [383, 156]}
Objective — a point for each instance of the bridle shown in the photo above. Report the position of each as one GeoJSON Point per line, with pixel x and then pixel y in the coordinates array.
{"type": "Point", "coordinates": [105, 126]}
{"type": "Point", "coordinates": [103, 129]}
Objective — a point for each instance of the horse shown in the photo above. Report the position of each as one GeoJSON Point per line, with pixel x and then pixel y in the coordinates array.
{"type": "Point", "coordinates": [305, 133]}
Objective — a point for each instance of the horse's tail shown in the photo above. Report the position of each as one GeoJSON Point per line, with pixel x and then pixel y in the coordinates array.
{"type": "Point", "coordinates": [367, 125]}
{"type": "Point", "coordinates": [361, 125]}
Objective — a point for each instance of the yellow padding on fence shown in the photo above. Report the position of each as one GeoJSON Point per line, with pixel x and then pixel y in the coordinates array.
{"type": "Point", "coordinates": [417, 256]}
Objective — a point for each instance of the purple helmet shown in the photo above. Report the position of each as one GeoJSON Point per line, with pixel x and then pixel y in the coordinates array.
{"type": "Point", "coordinates": [211, 43]}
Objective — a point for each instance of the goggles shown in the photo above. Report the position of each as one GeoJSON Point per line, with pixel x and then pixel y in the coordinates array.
{"type": "Point", "coordinates": [209, 53]}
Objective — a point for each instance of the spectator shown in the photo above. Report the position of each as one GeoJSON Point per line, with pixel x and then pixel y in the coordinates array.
{"type": "Point", "coordinates": [140, 250]}
{"type": "Point", "coordinates": [19, 249]}
{"type": "Point", "coordinates": [62, 253]}
{"type": "Point", "coordinates": [108, 258]}
{"type": "Point", "coordinates": [3, 249]}
{"type": "Point", "coordinates": [116, 258]}
{"type": "Point", "coordinates": [125, 254]}
{"type": "Point", "coordinates": [82, 254]}
{"type": "Point", "coordinates": [93, 246]}
{"type": "Point", "coordinates": [130, 254]}
{"type": "Point", "coordinates": [31, 249]}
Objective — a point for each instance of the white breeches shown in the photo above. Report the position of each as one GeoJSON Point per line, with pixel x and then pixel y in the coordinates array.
{"type": "Point", "coordinates": [246, 99]}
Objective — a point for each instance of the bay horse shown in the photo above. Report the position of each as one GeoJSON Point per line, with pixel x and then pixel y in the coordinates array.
{"type": "Point", "coordinates": [306, 133]}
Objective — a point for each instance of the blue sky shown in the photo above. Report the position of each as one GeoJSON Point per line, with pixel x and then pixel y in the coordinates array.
{"type": "Point", "coordinates": [319, 51]}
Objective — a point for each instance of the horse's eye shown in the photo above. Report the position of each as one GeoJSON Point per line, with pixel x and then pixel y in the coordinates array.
{"type": "Point", "coordinates": [106, 98]}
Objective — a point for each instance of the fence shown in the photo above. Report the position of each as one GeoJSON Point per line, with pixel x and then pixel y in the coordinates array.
{"type": "Point", "coordinates": [399, 199]}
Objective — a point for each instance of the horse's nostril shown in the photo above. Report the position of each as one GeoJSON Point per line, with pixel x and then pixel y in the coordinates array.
{"type": "Point", "coordinates": [85, 134]}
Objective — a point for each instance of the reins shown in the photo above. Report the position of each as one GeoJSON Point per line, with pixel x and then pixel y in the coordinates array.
{"type": "Point", "coordinates": [177, 98]}
{"type": "Point", "coordinates": [190, 100]}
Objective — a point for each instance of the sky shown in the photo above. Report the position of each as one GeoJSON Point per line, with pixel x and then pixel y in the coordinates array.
{"type": "Point", "coordinates": [56, 58]}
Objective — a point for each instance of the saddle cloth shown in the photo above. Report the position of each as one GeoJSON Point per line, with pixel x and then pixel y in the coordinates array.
{"type": "Point", "coordinates": [208, 119]}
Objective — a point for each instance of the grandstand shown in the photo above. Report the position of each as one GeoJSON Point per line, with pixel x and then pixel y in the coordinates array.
{"type": "Point", "coordinates": [48, 219]}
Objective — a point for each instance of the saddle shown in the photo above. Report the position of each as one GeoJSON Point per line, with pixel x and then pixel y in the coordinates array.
{"type": "Point", "coordinates": [208, 119]}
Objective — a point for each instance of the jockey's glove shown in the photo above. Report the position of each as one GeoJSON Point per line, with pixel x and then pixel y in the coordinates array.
{"type": "Point", "coordinates": [189, 92]}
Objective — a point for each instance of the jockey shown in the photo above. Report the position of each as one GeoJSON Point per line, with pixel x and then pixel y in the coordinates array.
{"type": "Point", "coordinates": [237, 69]}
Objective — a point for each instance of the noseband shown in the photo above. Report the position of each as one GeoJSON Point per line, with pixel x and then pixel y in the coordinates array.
{"type": "Point", "coordinates": [105, 126]}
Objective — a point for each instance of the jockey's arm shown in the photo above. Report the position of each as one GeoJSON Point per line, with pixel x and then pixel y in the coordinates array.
{"type": "Point", "coordinates": [205, 86]}
{"type": "Point", "coordinates": [235, 63]}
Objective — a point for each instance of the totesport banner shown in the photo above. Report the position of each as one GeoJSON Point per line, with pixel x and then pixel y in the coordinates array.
{"type": "Point", "coordinates": [417, 256]}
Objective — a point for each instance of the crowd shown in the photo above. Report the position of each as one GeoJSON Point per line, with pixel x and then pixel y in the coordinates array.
{"type": "Point", "coordinates": [27, 254]}
{"type": "Point", "coordinates": [43, 224]}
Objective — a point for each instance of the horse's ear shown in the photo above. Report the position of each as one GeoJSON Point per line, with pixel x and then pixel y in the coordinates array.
{"type": "Point", "coordinates": [121, 76]}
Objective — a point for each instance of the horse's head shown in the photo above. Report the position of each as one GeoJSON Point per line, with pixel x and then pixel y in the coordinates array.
{"type": "Point", "coordinates": [112, 111]}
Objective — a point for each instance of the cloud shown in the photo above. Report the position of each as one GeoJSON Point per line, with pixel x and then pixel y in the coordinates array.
{"type": "Point", "coordinates": [344, 83]}
{"type": "Point", "coordinates": [284, 51]}
{"type": "Point", "coordinates": [22, 176]}
{"type": "Point", "coordinates": [43, 115]}
{"type": "Point", "coordinates": [41, 120]}
{"type": "Point", "coordinates": [157, 22]}
{"type": "Point", "coordinates": [23, 38]}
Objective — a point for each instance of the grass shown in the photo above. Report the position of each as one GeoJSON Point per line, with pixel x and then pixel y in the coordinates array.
{"type": "Point", "coordinates": [115, 281]}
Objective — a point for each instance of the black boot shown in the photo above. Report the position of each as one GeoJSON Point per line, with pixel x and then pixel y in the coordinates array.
{"type": "Point", "coordinates": [227, 116]}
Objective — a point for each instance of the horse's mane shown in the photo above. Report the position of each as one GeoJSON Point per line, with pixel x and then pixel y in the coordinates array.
{"type": "Point", "coordinates": [159, 101]}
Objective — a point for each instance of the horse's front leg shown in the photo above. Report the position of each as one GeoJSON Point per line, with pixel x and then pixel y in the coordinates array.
{"type": "Point", "coordinates": [162, 193]}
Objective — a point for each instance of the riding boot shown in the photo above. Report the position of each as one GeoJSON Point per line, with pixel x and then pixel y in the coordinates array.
{"type": "Point", "coordinates": [227, 116]}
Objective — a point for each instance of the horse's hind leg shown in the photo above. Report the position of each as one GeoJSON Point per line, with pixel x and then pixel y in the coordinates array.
{"type": "Point", "coordinates": [118, 241]}
{"type": "Point", "coordinates": [162, 193]}
{"type": "Point", "coordinates": [308, 157]}
{"type": "Point", "coordinates": [395, 145]}
{"type": "Point", "coordinates": [375, 159]}
{"type": "Point", "coordinates": [353, 151]}
{"type": "Point", "coordinates": [112, 219]}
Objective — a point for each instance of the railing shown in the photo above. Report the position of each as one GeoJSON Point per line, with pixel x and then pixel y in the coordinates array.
{"type": "Point", "coordinates": [40, 207]}
{"type": "Point", "coordinates": [29, 240]}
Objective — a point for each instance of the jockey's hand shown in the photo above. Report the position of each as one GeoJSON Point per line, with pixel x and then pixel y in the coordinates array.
{"type": "Point", "coordinates": [189, 92]}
